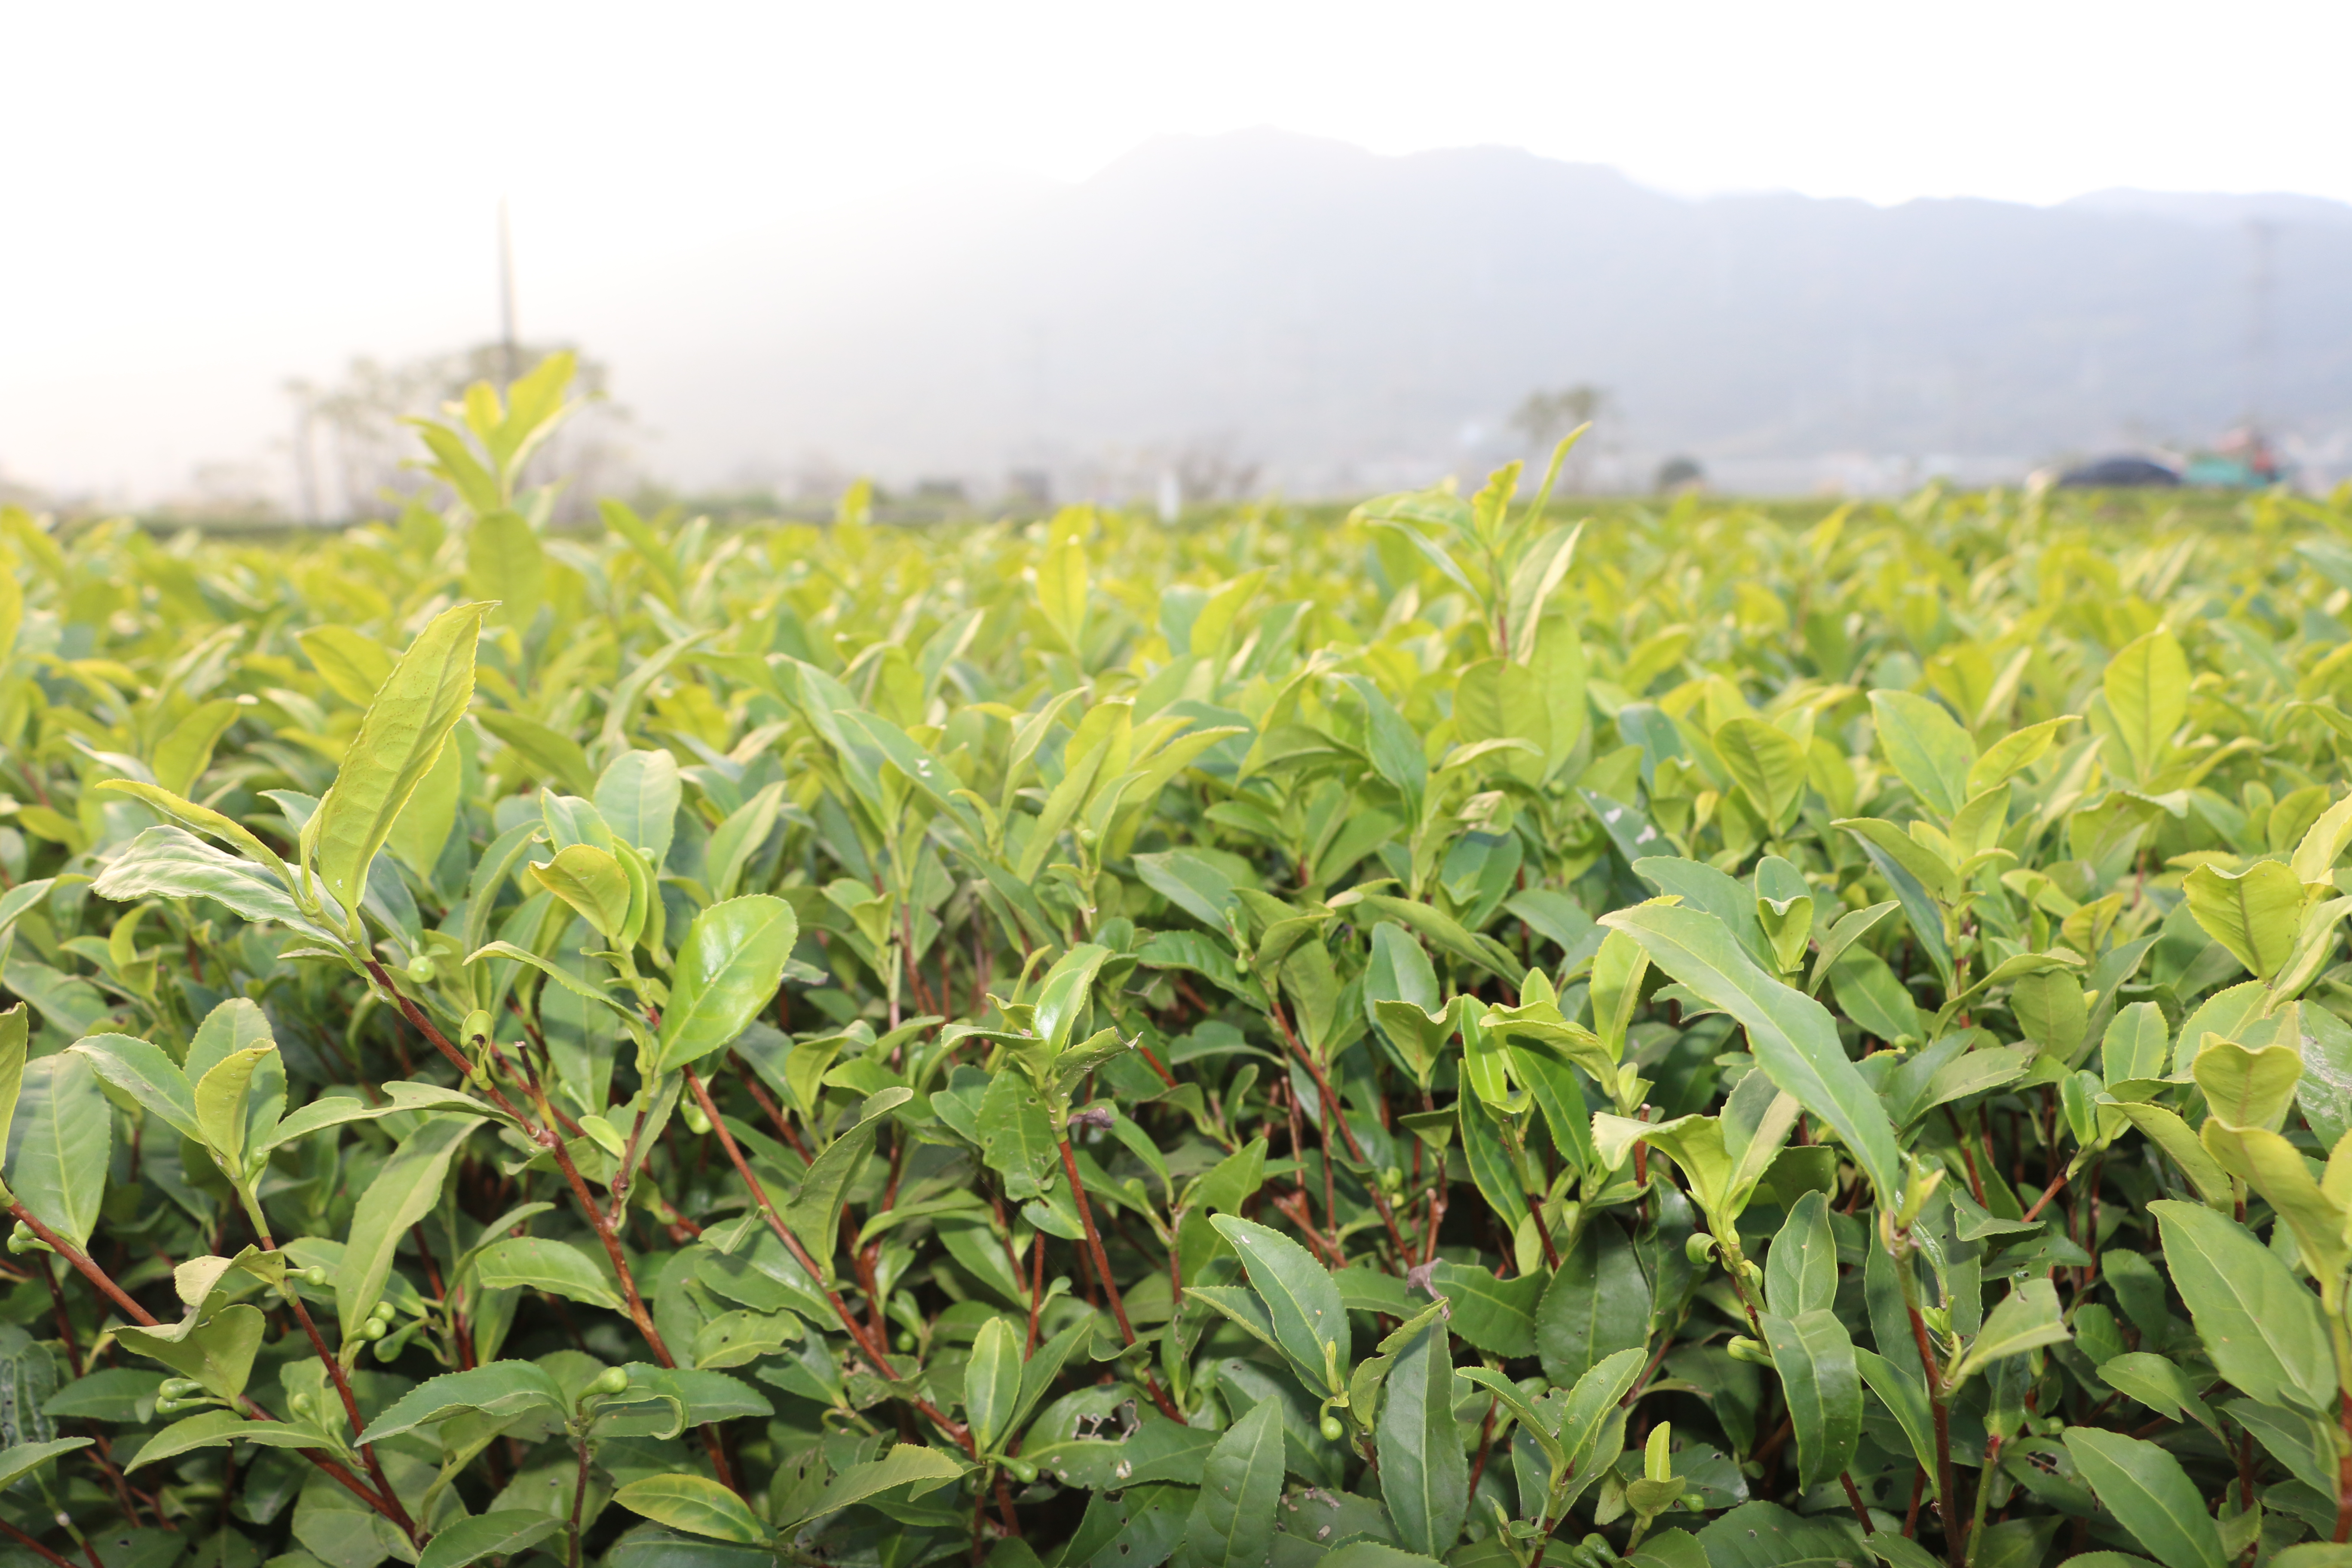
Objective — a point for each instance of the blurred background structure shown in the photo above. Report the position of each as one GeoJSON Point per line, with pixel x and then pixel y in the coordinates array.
{"type": "Point", "coordinates": [1020, 254]}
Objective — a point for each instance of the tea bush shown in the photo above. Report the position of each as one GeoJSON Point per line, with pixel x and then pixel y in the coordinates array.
{"type": "Point", "coordinates": [1691, 1038]}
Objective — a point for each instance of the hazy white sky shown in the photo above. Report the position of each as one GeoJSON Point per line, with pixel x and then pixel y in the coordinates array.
{"type": "Point", "coordinates": [199, 201]}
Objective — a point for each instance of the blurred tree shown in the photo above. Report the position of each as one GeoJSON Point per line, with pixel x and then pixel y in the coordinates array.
{"type": "Point", "coordinates": [1680, 473]}
{"type": "Point", "coordinates": [353, 448]}
{"type": "Point", "coordinates": [1543, 417]}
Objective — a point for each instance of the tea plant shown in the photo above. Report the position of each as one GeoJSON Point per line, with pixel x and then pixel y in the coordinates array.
{"type": "Point", "coordinates": [1682, 1038]}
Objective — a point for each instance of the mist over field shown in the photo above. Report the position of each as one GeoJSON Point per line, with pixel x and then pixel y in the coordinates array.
{"type": "Point", "coordinates": [1338, 321]}
{"type": "Point", "coordinates": [1264, 310]}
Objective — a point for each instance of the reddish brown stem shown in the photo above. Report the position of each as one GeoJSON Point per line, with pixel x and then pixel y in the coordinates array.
{"type": "Point", "coordinates": [2048, 1193]}
{"type": "Point", "coordinates": [1037, 1284]}
{"type": "Point", "coordinates": [872, 1351]}
{"type": "Point", "coordinates": [352, 1409]}
{"type": "Point", "coordinates": [440, 1042]}
{"type": "Point", "coordinates": [1946, 1492]}
{"type": "Point", "coordinates": [1293, 1209]}
{"type": "Point", "coordinates": [24, 1540]}
{"type": "Point", "coordinates": [65, 1319]}
{"type": "Point", "coordinates": [606, 1226]}
{"type": "Point", "coordinates": [1853, 1497]}
{"type": "Point", "coordinates": [1355, 1150]}
{"type": "Point", "coordinates": [1157, 1066]}
{"type": "Point", "coordinates": [775, 1113]}
{"type": "Point", "coordinates": [1004, 1507]}
{"type": "Point", "coordinates": [1110, 1286]}
{"type": "Point", "coordinates": [80, 1260]}
{"type": "Point", "coordinates": [1967, 1156]}
{"type": "Point", "coordinates": [2344, 1474]}
{"type": "Point", "coordinates": [1543, 1231]}
{"type": "Point", "coordinates": [1486, 1441]}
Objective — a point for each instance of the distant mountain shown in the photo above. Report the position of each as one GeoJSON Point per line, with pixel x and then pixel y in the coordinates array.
{"type": "Point", "coordinates": [1343, 320]}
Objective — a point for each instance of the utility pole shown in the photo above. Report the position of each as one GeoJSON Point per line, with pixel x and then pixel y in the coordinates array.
{"type": "Point", "coordinates": [506, 296]}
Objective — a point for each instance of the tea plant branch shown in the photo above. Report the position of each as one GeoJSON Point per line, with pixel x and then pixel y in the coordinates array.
{"type": "Point", "coordinates": [606, 1226]}
{"type": "Point", "coordinates": [542, 1134]}
{"type": "Point", "coordinates": [579, 1494]}
{"type": "Point", "coordinates": [1331, 1113]}
{"type": "Point", "coordinates": [24, 1540]}
{"type": "Point", "coordinates": [1109, 1284]}
{"type": "Point", "coordinates": [767, 1103]}
{"type": "Point", "coordinates": [2047, 1194]}
{"type": "Point", "coordinates": [2343, 1469]}
{"type": "Point", "coordinates": [342, 1380]}
{"type": "Point", "coordinates": [1954, 1542]}
{"type": "Point", "coordinates": [80, 1260]}
{"type": "Point", "coordinates": [873, 1351]}
{"type": "Point", "coordinates": [138, 1314]}
{"type": "Point", "coordinates": [1853, 1500]}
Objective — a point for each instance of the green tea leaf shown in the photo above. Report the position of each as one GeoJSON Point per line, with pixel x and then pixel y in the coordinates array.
{"type": "Point", "coordinates": [1795, 1041]}
{"type": "Point", "coordinates": [2146, 688]}
{"type": "Point", "coordinates": [2254, 913]}
{"type": "Point", "coordinates": [59, 1144]}
{"type": "Point", "coordinates": [399, 739]}
{"type": "Point", "coordinates": [1301, 1299]}
{"type": "Point", "coordinates": [531, 1263]}
{"type": "Point", "coordinates": [2149, 1494]}
{"type": "Point", "coordinates": [2261, 1326]}
{"type": "Point", "coordinates": [1232, 1522]}
{"type": "Point", "coordinates": [727, 970]}
{"type": "Point", "coordinates": [1801, 1269]}
{"type": "Point", "coordinates": [501, 1388]}
{"type": "Point", "coordinates": [1424, 1477]}
{"type": "Point", "coordinates": [405, 1187]}
{"type": "Point", "coordinates": [506, 1533]}
{"type": "Point", "coordinates": [1822, 1384]}
{"type": "Point", "coordinates": [814, 1215]}
{"type": "Point", "coordinates": [1927, 748]}
{"type": "Point", "coordinates": [991, 1382]}
{"type": "Point", "coordinates": [1597, 1304]}
{"type": "Point", "coordinates": [694, 1504]}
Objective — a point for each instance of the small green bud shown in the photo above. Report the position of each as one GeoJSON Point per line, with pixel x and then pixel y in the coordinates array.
{"type": "Point", "coordinates": [1393, 1179]}
{"type": "Point", "coordinates": [177, 1387]}
{"type": "Point", "coordinates": [1021, 1470]}
{"type": "Point", "coordinates": [421, 969]}
{"type": "Point", "coordinates": [906, 1342]}
{"type": "Point", "coordinates": [695, 1120]}
{"type": "Point", "coordinates": [167, 1407]}
{"type": "Point", "coordinates": [314, 1275]}
{"type": "Point", "coordinates": [1333, 1431]}
{"type": "Point", "coordinates": [611, 1381]}
{"type": "Point", "coordinates": [302, 1404]}
{"type": "Point", "coordinates": [373, 1329]}
{"type": "Point", "coordinates": [476, 1028]}
{"type": "Point", "coordinates": [1752, 1352]}
{"type": "Point", "coordinates": [1698, 1247]}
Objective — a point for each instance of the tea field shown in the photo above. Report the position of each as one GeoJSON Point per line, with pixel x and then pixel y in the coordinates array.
{"type": "Point", "coordinates": [1700, 1036]}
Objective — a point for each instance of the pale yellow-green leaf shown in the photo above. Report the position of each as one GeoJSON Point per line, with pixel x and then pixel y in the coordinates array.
{"type": "Point", "coordinates": [2147, 687]}
{"type": "Point", "coordinates": [592, 881]}
{"type": "Point", "coordinates": [2255, 914]}
{"type": "Point", "coordinates": [1062, 591]}
{"type": "Point", "coordinates": [399, 739]}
